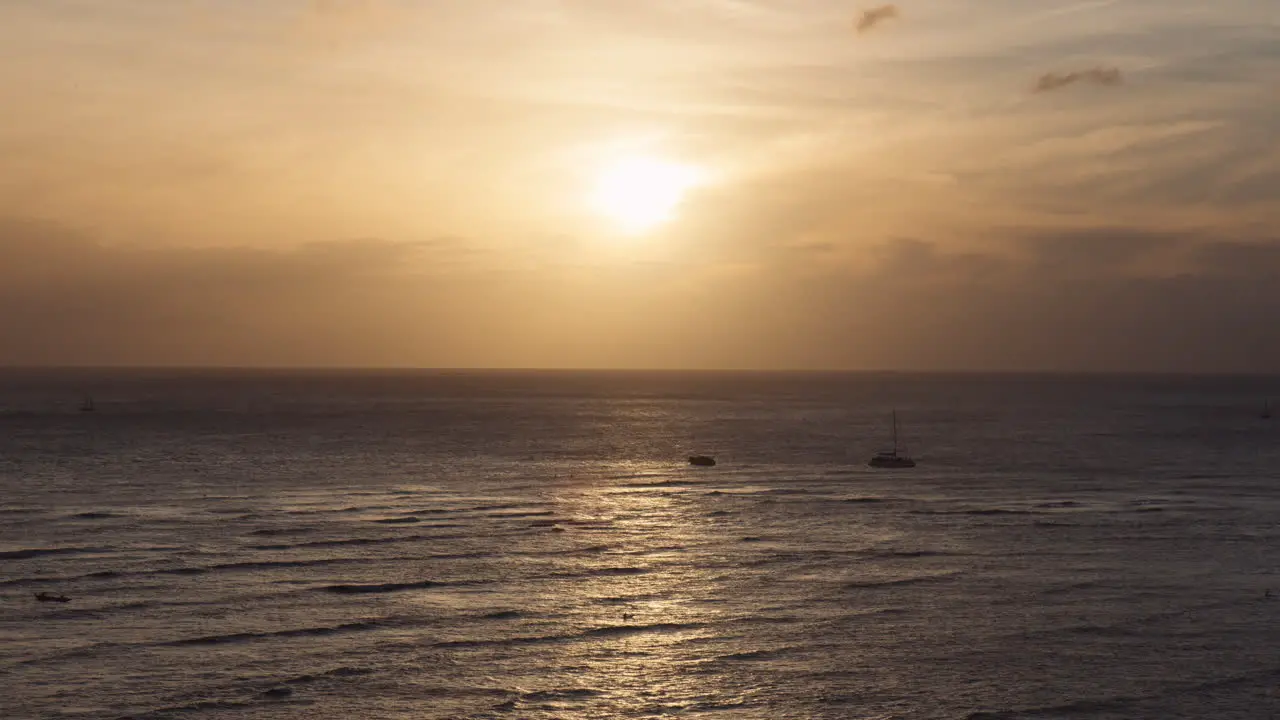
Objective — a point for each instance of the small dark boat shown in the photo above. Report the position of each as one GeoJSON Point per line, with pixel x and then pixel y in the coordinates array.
{"type": "Point", "coordinates": [46, 597]}
{"type": "Point", "coordinates": [87, 405]}
{"type": "Point", "coordinates": [1266, 411]}
{"type": "Point", "coordinates": [892, 459]}
{"type": "Point", "coordinates": [702, 460]}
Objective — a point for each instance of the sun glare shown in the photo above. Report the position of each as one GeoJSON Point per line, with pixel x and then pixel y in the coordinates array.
{"type": "Point", "coordinates": [641, 193]}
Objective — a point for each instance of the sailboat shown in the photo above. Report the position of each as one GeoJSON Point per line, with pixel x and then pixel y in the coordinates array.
{"type": "Point", "coordinates": [892, 458]}
{"type": "Point", "coordinates": [1266, 410]}
{"type": "Point", "coordinates": [87, 405]}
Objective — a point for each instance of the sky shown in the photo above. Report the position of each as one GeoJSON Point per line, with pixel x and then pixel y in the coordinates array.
{"type": "Point", "coordinates": [1060, 185]}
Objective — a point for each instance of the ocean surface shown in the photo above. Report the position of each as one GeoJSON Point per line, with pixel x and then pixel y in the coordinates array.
{"type": "Point", "coordinates": [534, 545]}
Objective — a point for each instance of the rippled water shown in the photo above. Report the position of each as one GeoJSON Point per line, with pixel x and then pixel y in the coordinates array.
{"type": "Point", "coordinates": [534, 546]}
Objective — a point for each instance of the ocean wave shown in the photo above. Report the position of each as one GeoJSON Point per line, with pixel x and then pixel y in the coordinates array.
{"type": "Point", "coordinates": [979, 512]}
{"type": "Point", "coordinates": [180, 571]}
{"type": "Point", "coordinates": [323, 631]}
{"type": "Point", "coordinates": [603, 572]}
{"type": "Point", "coordinates": [1079, 707]}
{"type": "Point", "coordinates": [769, 619]}
{"type": "Point", "coordinates": [277, 693]}
{"type": "Point", "coordinates": [913, 553]}
{"type": "Point", "coordinates": [658, 550]}
{"type": "Point", "coordinates": [277, 564]}
{"type": "Point", "coordinates": [620, 630]}
{"type": "Point", "coordinates": [68, 654]}
{"type": "Point", "coordinates": [31, 553]}
{"type": "Point", "coordinates": [503, 615]}
{"type": "Point", "coordinates": [553, 695]}
{"type": "Point", "coordinates": [1072, 587]}
{"type": "Point", "coordinates": [587, 524]}
{"type": "Point", "coordinates": [270, 532]}
{"type": "Point", "coordinates": [455, 556]}
{"type": "Point", "coordinates": [343, 671]}
{"type": "Point", "coordinates": [490, 508]}
{"type": "Point", "coordinates": [191, 570]}
{"type": "Point", "coordinates": [36, 580]}
{"type": "Point", "coordinates": [898, 582]}
{"type": "Point", "coordinates": [625, 599]}
{"type": "Point", "coordinates": [753, 655]}
{"type": "Point", "coordinates": [375, 589]}
{"type": "Point", "coordinates": [357, 541]}
{"type": "Point", "coordinates": [611, 631]}
{"type": "Point", "coordinates": [409, 520]}
{"type": "Point", "coordinates": [525, 640]}
{"type": "Point", "coordinates": [1124, 704]}
{"type": "Point", "coordinates": [195, 706]}
{"type": "Point", "coordinates": [151, 604]}
{"type": "Point", "coordinates": [341, 511]}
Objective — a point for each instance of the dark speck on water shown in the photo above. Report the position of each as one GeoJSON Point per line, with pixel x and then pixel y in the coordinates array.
{"type": "Point", "coordinates": [277, 545]}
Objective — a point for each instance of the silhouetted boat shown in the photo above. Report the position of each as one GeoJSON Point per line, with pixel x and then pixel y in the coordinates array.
{"type": "Point", "coordinates": [87, 405]}
{"type": "Point", "coordinates": [702, 460]}
{"type": "Point", "coordinates": [892, 458]}
{"type": "Point", "coordinates": [1266, 410]}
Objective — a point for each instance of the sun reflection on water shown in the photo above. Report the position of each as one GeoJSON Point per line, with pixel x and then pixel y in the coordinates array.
{"type": "Point", "coordinates": [642, 611]}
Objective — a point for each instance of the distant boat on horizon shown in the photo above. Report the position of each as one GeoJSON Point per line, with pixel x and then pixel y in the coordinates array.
{"type": "Point", "coordinates": [87, 405]}
{"type": "Point", "coordinates": [1266, 410]}
{"type": "Point", "coordinates": [892, 458]}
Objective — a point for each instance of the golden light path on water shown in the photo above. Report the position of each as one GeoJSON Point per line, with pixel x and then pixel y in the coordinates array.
{"type": "Point", "coordinates": [658, 613]}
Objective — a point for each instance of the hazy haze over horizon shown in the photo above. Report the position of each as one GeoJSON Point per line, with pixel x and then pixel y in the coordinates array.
{"type": "Point", "coordinates": [930, 185]}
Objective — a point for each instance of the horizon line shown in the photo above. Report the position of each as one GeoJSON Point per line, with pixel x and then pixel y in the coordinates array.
{"type": "Point", "coordinates": [622, 370]}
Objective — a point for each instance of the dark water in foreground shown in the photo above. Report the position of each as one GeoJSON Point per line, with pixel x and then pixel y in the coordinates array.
{"type": "Point", "coordinates": [533, 546]}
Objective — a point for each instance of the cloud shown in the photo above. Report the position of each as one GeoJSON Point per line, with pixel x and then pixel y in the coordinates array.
{"type": "Point", "coordinates": [350, 22]}
{"type": "Point", "coordinates": [83, 302]}
{"type": "Point", "coordinates": [355, 12]}
{"type": "Point", "coordinates": [872, 17]}
{"type": "Point", "coordinates": [1050, 304]}
{"type": "Point", "coordinates": [1090, 298]}
{"type": "Point", "coordinates": [1098, 76]}
{"type": "Point", "coordinates": [67, 299]}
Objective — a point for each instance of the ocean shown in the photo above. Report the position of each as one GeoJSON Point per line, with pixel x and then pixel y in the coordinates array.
{"type": "Point", "coordinates": [386, 545]}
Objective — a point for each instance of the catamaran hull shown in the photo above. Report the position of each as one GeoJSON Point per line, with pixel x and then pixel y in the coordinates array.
{"type": "Point", "coordinates": [887, 463]}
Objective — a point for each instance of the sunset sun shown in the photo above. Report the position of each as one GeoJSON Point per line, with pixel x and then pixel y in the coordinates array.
{"type": "Point", "coordinates": [639, 194]}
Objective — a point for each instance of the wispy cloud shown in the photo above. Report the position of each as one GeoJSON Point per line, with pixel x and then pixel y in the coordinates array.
{"type": "Point", "coordinates": [869, 19]}
{"type": "Point", "coordinates": [1097, 76]}
{"type": "Point", "coordinates": [340, 22]}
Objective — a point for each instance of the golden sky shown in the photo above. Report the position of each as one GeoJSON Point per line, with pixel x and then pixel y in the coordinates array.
{"type": "Point", "coordinates": [641, 183]}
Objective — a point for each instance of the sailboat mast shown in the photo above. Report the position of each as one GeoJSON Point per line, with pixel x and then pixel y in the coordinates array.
{"type": "Point", "coordinates": [895, 432]}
